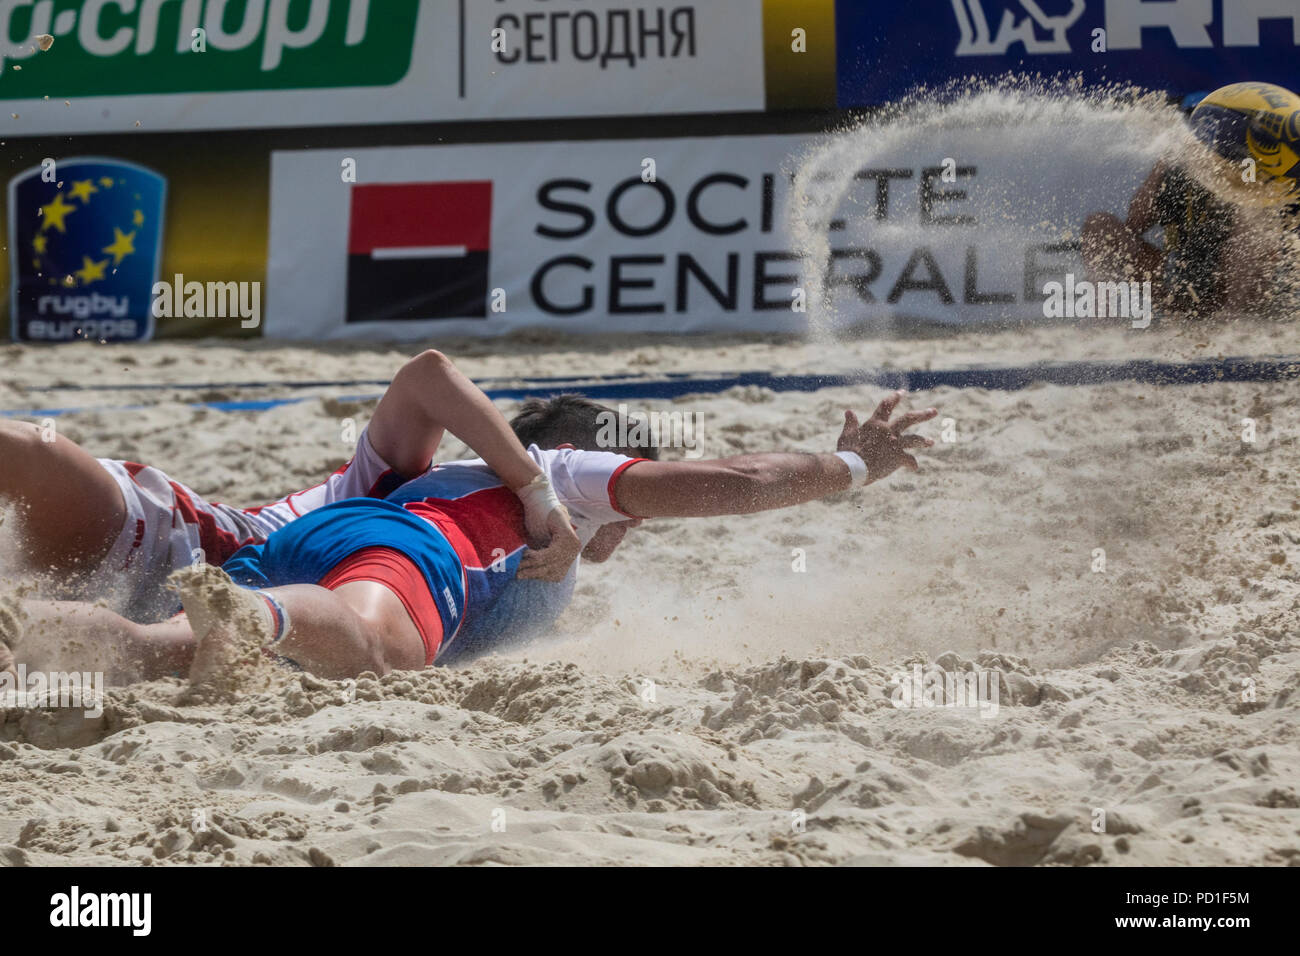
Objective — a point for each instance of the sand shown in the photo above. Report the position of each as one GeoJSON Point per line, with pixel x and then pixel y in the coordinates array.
{"type": "Point", "coordinates": [706, 703]}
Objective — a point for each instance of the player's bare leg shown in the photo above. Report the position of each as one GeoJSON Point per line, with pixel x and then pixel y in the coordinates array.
{"type": "Point", "coordinates": [69, 509]}
{"type": "Point", "coordinates": [359, 626]}
{"type": "Point", "coordinates": [73, 635]}
{"type": "Point", "coordinates": [222, 638]}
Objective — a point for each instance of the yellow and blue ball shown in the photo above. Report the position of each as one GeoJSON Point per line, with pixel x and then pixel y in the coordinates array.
{"type": "Point", "coordinates": [1254, 127]}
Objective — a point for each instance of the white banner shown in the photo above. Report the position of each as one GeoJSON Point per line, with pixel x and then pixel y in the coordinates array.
{"type": "Point", "coordinates": [116, 65]}
{"type": "Point", "coordinates": [673, 235]}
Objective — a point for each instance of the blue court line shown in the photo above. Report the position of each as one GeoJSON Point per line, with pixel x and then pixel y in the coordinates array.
{"type": "Point", "coordinates": [959, 378]}
{"type": "Point", "coordinates": [326, 383]}
{"type": "Point", "coordinates": [673, 385]}
{"type": "Point", "coordinates": [203, 386]}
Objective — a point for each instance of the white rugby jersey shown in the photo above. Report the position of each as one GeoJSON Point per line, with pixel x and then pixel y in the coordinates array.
{"type": "Point", "coordinates": [173, 524]}
{"type": "Point", "coordinates": [483, 521]}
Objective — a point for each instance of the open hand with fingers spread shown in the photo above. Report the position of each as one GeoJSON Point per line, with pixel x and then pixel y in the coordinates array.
{"type": "Point", "coordinates": [881, 443]}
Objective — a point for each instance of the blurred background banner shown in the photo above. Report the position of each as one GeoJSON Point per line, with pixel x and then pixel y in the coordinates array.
{"type": "Point", "coordinates": [127, 81]}
{"type": "Point", "coordinates": [350, 62]}
{"type": "Point", "coordinates": [1180, 46]}
{"type": "Point", "coordinates": [482, 240]}
{"type": "Point", "coordinates": [523, 95]}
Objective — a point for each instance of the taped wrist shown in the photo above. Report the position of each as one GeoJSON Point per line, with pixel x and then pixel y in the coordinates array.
{"type": "Point", "coordinates": [539, 498]}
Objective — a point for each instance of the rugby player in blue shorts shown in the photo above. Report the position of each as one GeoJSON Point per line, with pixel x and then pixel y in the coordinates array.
{"type": "Point", "coordinates": [380, 585]}
{"type": "Point", "coordinates": [115, 530]}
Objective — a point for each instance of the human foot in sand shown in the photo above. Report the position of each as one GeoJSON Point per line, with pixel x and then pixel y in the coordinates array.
{"type": "Point", "coordinates": [231, 626]}
{"type": "Point", "coordinates": [98, 517]}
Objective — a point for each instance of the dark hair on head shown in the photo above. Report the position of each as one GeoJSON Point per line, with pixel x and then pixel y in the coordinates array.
{"type": "Point", "coordinates": [575, 420]}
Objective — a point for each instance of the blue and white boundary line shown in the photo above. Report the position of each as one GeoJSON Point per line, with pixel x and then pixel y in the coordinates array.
{"type": "Point", "coordinates": [677, 384]}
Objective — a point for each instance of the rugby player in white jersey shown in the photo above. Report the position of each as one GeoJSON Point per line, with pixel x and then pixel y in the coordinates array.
{"type": "Point", "coordinates": [379, 585]}
{"type": "Point", "coordinates": [119, 528]}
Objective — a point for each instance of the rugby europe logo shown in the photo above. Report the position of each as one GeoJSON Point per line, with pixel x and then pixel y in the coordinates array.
{"type": "Point", "coordinates": [85, 244]}
{"type": "Point", "coordinates": [992, 27]}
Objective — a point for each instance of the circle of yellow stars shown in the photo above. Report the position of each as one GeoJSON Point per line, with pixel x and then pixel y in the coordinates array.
{"type": "Point", "coordinates": [54, 217]}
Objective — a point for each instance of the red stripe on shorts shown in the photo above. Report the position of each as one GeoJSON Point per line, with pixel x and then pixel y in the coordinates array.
{"type": "Point", "coordinates": [217, 543]}
{"type": "Point", "coordinates": [481, 527]}
{"type": "Point", "coordinates": [400, 575]}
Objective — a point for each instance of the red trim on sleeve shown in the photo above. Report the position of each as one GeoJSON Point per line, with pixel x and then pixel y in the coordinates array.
{"type": "Point", "coordinates": [613, 502]}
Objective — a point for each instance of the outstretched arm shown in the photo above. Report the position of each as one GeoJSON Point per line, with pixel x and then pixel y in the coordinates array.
{"type": "Point", "coordinates": [748, 483]}
{"type": "Point", "coordinates": [428, 396]}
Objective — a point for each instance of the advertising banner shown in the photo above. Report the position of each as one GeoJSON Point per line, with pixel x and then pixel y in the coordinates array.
{"type": "Point", "coordinates": [673, 235]}
{"type": "Point", "coordinates": [90, 237]}
{"type": "Point", "coordinates": [238, 64]}
{"type": "Point", "coordinates": [1182, 46]}
{"type": "Point", "coordinates": [85, 241]}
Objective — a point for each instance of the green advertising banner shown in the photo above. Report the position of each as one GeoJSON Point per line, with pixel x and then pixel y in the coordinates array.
{"type": "Point", "coordinates": [117, 65]}
{"type": "Point", "coordinates": [114, 48]}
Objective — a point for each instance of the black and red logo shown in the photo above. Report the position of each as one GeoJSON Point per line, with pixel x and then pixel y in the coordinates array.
{"type": "Point", "coordinates": [419, 251]}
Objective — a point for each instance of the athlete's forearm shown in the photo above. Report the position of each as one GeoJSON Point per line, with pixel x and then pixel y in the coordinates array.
{"type": "Point", "coordinates": [429, 395]}
{"type": "Point", "coordinates": [455, 403]}
{"type": "Point", "coordinates": [1142, 210]}
{"type": "Point", "coordinates": [743, 484]}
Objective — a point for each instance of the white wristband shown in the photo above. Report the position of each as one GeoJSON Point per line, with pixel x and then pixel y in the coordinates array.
{"type": "Point", "coordinates": [857, 467]}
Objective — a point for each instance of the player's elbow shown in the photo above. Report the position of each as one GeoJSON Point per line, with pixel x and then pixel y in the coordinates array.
{"type": "Point", "coordinates": [429, 365]}
{"type": "Point", "coordinates": [423, 378]}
